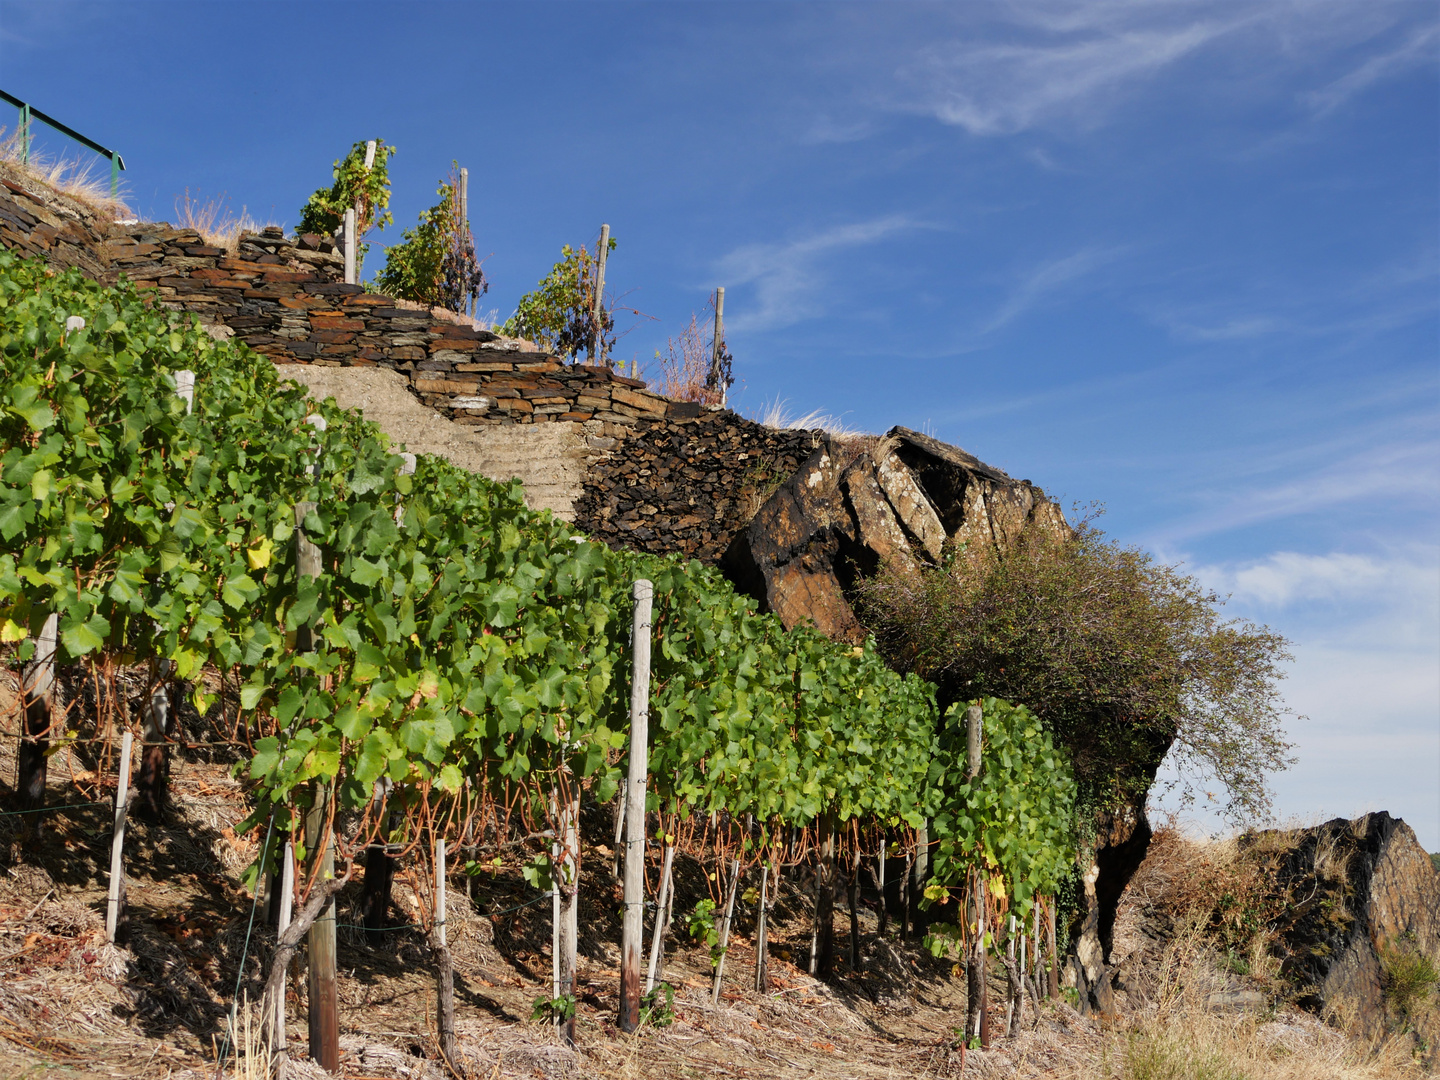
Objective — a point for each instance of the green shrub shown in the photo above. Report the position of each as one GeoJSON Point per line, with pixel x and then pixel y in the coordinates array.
{"type": "Point", "coordinates": [1409, 977]}
{"type": "Point", "coordinates": [367, 190]}
{"type": "Point", "coordinates": [1119, 655]}
{"type": "Point", "coordinates": [561, 314]}
{"type": "Point", "coordinates": [436, 263]}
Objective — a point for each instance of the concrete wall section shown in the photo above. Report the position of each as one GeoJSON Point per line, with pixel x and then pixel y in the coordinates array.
{"type": "Point", "coordinates": [549, 459]}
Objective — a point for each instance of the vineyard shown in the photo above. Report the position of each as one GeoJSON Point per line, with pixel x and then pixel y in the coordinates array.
{"type": "Point", "coordinates": [408, 662]}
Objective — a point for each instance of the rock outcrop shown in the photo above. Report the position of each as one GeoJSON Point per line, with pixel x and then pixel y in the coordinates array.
{"type": "Point", "coordinates": [1363, 898]}
{"type": "Point", "coordinates": [851, 507]}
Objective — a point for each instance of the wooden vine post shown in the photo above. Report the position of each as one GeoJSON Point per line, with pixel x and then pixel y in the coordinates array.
{"type": "Point", "coordinates": [976, 996]}
{"type": "Point", "coordinates": [597, 312]}
{"type": "Point", "coordinates": [880, 885]}
{"type": "Point", "coordinates": [852, 897]}
{"type": "Point", "coordinates": [324, 1010]}
{"type": "Point", "coordinates": [37, 684]}
{"type": "Point", "coordinates": [662, 915]}
{"type": "Point", "coordinates": [567, 885]}
{"type": "Point", "coordinates": [727, 922]}
{"type": "Point", "coordinates": [152, 786]}
{"type": "Point", "coordinates": [634, 929]}
{"type": "Point", "coordinates": [1053, 974]}
{"type": "Point", "coordinates": [278, 1042]}
{"type": "Point", "coordinates": [350, 245]}
{"type": "Point", "coordinates": [921, 871]}
{"type": "Point", "coordinates": [444, 967]}
{"type": "Point", "coordinates": [822, 941]}
{"type": "Point", "coordinates": [717, 348]}
{"type": "Point", "coordinates": [115, 901]}
{"type": "Point", "coordinates": [762, 975]}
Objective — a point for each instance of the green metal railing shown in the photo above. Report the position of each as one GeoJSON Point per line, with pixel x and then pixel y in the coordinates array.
{"type": "Point", "coordinates": [29, 113]}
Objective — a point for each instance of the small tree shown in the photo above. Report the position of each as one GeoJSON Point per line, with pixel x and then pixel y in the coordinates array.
{"type": "Point", "coordinates": [1120, 656]}
{"type": "Point", "coordinates": [436, 263]}
{"type": "Point", "coordinates": [561, 314]}
{"type": "Point", "coordinates": [366, 189]}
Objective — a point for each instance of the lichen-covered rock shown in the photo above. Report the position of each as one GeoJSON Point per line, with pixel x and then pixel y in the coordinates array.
{"type": "Point", "coordinates": [849, 508]}
{"type": "Point", "coordinates": [1362, 896]}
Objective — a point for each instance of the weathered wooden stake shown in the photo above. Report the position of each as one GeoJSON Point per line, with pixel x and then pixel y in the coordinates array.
{"type": "Point", "coordinates": [762, 978]}
{"type": "Point", "coordinates": [37, 683]}
{"type": "Point", "coordinates": [602, 253]}
{"type": "Point", "coordinates": [324, 1010]}
{"type": "Point", "coordinates": [822, 949]}
{"type": "Point", "coordinates": [717, 347]}
{"type": "Point", "coordinates": [974, 722]}
{"type": "Point", "coordinates": [725, 925]}
{"type": "Point", "coordinates": [662, 918]}
{"type": "Point", "coordinates": [984, 973]}
{"type": "Point", "coordinates": [377, 884]}
{"type": "Point", "coordinates": [632, 942]}
{"type": "Point", "coordinates": [287, 901]}
{"type": "Point", "coordinates": [880, 884]}
{"type": "Point", "coordinates": [152, 788]}
{"type": "Point", "coordinates": [444, 968]}
{"type": "Point", "coordinates": [905, 900]}
{"type": "Point", "coordinates": [1013, 1001]}
{"type": "Point", "coordinates": [350, 245]}
{"type": "Point", "coordinates": [853, 897]}
{"type": "Point", "coordinates": [324, 1006]}
{"type": "Point", "coordinates": [569, 884]}
{"type": "Point", "coordinates": [115, 903]}
{"type": "Point", "coordinates": [918, 919]}
{"type": "Point", "coordinates": [1054, 972]}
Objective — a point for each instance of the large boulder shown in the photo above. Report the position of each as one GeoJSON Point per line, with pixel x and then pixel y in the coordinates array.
{"type": "Point", "coordinates": [1363, 903]}
{"type": "Point", "coordinates": [851, 507]}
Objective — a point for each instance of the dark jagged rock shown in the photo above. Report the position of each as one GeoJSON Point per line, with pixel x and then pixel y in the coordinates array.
{"type": "Point", "coordinates": [849, 509]}
{"type": "Point", "coordinates": [1359, 895]}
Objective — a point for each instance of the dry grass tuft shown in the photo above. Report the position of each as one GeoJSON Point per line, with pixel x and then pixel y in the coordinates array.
{"type": "Point", "coordinates": [213, 219]}
{"type": "Point", "coordinates": [778, 415]}
{"type": "Point", "coordinates": [685, 367]}
{"type": "Point", "coordinates": [82, 179]}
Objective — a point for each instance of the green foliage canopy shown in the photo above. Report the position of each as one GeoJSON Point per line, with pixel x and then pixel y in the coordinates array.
{"type": "Point", "coordinates": [561, 314]}
{"type": "Point", "coordinates": [368, 190]}
{"type": "Point", "coordinates": [1120, 656]}
{"type": "Point", "coordinates": [436, 263]}
{"type": "Point", "coordinates": [1013, 825]}
{"type": "Point", "coordinates": [460, 638]}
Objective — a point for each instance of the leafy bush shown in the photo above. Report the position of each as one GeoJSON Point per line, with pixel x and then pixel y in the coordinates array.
{"type": "Point", "coordinates": [561, 314]}
{"type": "Point", "coordinates": [1119, 655]}
{"type": "Point", "coordinates": [1009, 829]}
{"type": "Point", "coordinates": [367, 190]}
{"type": "Point", "coordinates": [1409, 978]}
{"type": "Point", "coordinates": [436, 263]}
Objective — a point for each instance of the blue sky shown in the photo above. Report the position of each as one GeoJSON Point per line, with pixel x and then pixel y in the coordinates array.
{"type": "Point", "coordinates": [1176, 258]}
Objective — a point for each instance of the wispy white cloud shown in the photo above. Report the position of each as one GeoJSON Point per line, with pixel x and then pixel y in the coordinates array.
{"type": "Point", "coordinates": [1040, 63]}
{"type": "Point", "coordinates": [1285, 578]}
{"type": "Point", "coordinates": [1047, 278]}
{"type": "Point", "coordinates": [1417, 48]}
{"type": "Point", "coordinates": [1306, 480]}
{"type": "Point", "coordinates": [1364, 685]}
{"type": "Point", "coordinates": [1002, 89]}
{"type": "Point", "coordinates": [1396, 294]}
{"type": "Point", "coordinates": [788, 278]}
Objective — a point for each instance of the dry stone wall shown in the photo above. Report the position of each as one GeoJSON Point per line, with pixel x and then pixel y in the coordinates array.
{"type": "Point", "coordinates": [37, 221]}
